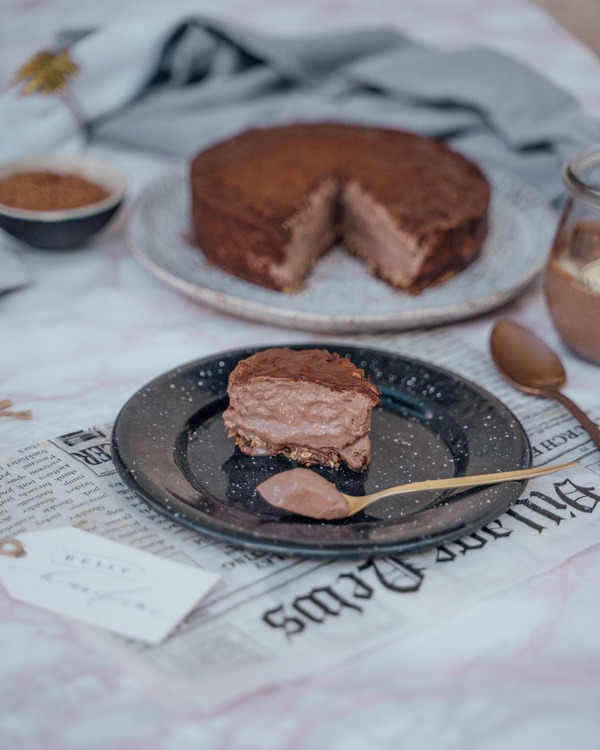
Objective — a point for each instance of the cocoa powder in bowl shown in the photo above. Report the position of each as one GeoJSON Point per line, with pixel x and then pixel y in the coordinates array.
{"type": "Point", "coordinates": [49, 191]}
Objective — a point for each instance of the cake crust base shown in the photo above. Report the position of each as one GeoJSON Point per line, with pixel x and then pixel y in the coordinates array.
{"type": "Point", "coordinates": [356, 456]}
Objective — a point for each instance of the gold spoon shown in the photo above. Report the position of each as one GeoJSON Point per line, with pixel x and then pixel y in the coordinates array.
{"type": "Point", "coordinates": [531, 366]}
{"type": "Point", "coordinates": [307, 493]}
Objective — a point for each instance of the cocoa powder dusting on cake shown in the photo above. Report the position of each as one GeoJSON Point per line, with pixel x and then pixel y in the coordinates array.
{"type": "Point", "coordinates": [309, 365]}
{"type": "Point", "coordinates": [49, 191]}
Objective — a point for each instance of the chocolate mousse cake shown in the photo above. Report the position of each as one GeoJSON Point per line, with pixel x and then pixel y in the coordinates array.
{"type": "Point", "coordinates": [309, 405]}
{"type": "Point", "coordinates": [268, 203]}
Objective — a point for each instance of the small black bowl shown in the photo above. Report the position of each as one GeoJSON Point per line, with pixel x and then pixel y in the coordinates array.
{"type": "Point", "coordinates": [57, 230]}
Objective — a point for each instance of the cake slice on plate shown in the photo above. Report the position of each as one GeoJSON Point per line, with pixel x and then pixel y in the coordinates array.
{"type": "Point", "coordinates": [310, 405]}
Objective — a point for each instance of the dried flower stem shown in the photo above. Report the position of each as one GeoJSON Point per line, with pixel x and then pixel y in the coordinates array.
{"type": "Point", "coordinates": [28, 414]}
{"type": "Point", "coordinates": [6, 403]}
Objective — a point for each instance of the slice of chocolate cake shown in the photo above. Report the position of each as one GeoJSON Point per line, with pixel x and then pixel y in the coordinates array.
{"type": "Point", "coordinates": [309, 405]}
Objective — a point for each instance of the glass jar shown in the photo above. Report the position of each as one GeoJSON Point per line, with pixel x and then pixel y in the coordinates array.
{"type": "Point", "coordinates": [572, 280]}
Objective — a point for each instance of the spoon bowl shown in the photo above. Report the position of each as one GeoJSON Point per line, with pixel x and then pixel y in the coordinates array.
{"type": "Point", "coordinates": [524, 360]}
{"type": "Point", "coordinates": [527, 363]}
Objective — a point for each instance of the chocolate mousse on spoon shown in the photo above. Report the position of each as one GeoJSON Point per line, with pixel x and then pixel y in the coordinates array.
{"type": "Point", "coordinates": [307, 493]}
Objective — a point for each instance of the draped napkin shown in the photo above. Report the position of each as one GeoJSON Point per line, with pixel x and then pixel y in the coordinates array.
{"type": "Point", "coordinates": [179, 88]}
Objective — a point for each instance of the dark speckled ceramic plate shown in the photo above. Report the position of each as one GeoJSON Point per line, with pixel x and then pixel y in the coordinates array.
{"type": "Point", "coordinates": [169, 444]}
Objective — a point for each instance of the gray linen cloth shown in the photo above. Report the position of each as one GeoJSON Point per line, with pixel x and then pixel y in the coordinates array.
{"type": "Point", "coordinates": [215, 79]}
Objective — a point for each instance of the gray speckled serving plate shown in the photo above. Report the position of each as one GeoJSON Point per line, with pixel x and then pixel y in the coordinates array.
{"type": "Point", "coordinates": [341, 296]}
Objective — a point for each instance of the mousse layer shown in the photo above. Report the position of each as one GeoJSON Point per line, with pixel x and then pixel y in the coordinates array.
{"type": "Point", "coordinates": [313, 229]}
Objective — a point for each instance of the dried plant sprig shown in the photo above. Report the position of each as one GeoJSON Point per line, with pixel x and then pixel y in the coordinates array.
{"type": "Point", "coordinates": [47, 73]}
{"type": "Point", "coordinates": [28, 414]}
{"type": "Point", "coordinates": [5, 403]}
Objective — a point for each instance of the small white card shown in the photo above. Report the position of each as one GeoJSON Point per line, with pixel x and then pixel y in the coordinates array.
{"type": "Point", "coordinates": [104, 583]}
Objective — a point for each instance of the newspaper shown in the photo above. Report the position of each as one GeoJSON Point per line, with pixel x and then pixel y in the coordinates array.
{"type": "Point", "coordinates": [273, 617]}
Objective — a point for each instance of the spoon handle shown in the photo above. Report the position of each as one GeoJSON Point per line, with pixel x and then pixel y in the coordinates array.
{"type": "Point", "coordinates": [592, 429]}
{"type": "Point", "coordinates": [358, 503]}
